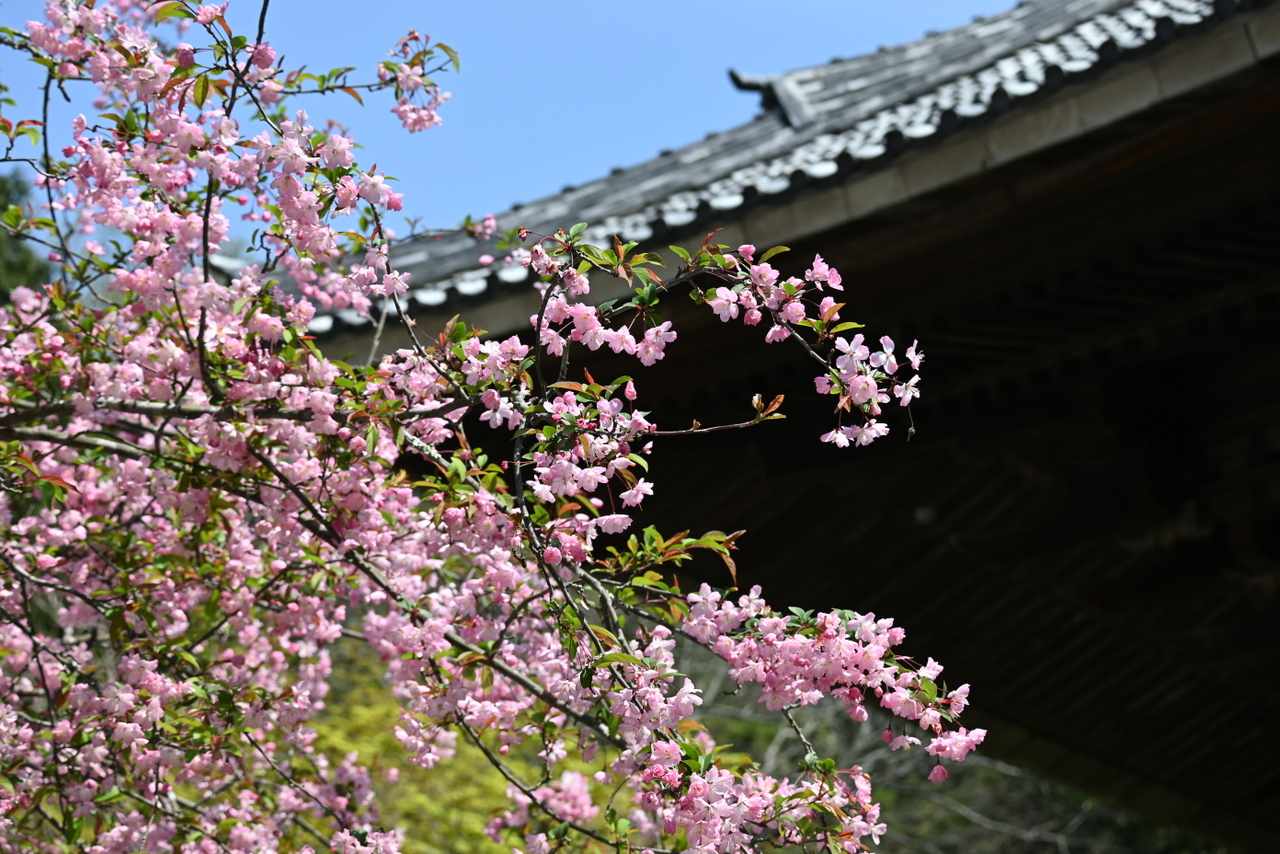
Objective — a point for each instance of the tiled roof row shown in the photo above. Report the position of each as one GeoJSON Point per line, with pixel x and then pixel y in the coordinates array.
{"type": "Point", "coordinates": [824, 122]}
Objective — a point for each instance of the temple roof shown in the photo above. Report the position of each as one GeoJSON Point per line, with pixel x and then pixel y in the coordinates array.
{"type": "Point", "coordinates": [828, 120]}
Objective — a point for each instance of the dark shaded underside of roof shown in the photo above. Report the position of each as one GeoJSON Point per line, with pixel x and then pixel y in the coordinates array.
{"type": "Point", "coordinates": [1087, 522]}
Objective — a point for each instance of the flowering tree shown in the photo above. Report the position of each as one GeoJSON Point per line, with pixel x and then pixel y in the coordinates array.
{"type": "Point", "coordinates": [198, 504]}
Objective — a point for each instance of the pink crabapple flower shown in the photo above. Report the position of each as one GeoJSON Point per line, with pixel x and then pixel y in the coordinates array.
{"type": "Point", "coordinates": [725, 304]}
{"type": "Point", "coordinates": [208, 14]}
{"type": "Point", "coordinates": [636, 494]}
{"type": "Point", "coordinates": [915, 356]}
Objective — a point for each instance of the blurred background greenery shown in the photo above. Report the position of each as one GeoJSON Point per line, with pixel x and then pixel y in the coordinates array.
{"type": "Point", "coordinates": [985, 807]}
{"type": "Point", "coordinates": [19, 263]}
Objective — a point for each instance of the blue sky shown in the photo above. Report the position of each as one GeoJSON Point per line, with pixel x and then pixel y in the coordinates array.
{"type": "Point", "coordinates": [556, 94]}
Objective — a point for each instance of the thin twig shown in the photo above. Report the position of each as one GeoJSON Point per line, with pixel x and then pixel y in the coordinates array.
{"type": "Point", "coordinates": [377, 332]}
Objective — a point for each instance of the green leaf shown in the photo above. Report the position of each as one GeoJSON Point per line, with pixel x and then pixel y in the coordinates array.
{"type": "Point", "coordinates": [458, 332]}
{"type": "Point", "coordinates": [48, 493]}
{"type": "Point", "coordinates": [604, 634]}
{"type": "Point", "coordinates": [616, 658]}
{"type": "Point", "coordinates": [777, 250]}
{"type": "Point", "coordinates": [646, 581]}
{"type": "Point", "coordinates": [577, 229]}
{"type": "Point", "coordinates": [594, 254]}
{"type": "Point", "coordinates": [683, 253]}
{"type": "Point", "coordinates": [109, 797]}
{"type": "Point", "coordinates": [200, 92]}
{"type": "Point", "coordinates": [648, 258]}
{"type": "Point", "coordinates": [173, 10]}
{"type": "Point", "coordinates": [453, 56]}
{"type": "Point", "coordinates": [928, 690]}
{"type": "Point", "coordinates": [845, 326]}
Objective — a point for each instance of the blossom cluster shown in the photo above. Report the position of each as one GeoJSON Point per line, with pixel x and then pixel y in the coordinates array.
{"type": "Point", "coordinates": [861, 380]}
{"type": "Point", "coordinates": [199, 504]}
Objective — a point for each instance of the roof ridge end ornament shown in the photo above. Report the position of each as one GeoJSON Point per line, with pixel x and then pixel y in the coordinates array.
{"type": "Point", "coordinates": [782, 92]}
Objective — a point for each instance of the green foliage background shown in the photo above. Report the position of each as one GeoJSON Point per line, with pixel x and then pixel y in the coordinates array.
{"type": "Point", "coordinates": [985, 807]}
{"type": "Point", "coordinates": [19, 264]}
{"type": "Point", "coordinates": [444, 810]}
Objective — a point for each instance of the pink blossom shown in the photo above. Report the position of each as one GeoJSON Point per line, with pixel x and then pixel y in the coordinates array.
{"type": "Point", "coordinates": [614, 523]}
{"type": "Point", "coordinates": [656, 338]}
{"type": "Point", "coordinates": [620, 340]}
{"type": "Point", "coordinates": [346, 192]}
{"type": "Point", "coordinates": [395, 282]}
{"type": "Point", "coordinates": [262, 55]}
{"type": "Point", "coordinates": [419, 117]}
{"type": "Point", "coordinates": [906, 391]}
{"type": "Point", "coordinates": [852, 352]}
{"type": "Point", "coordinates": [636, 494]}
{"type": "Point", "coordinates": [374, 189]}
{"type": "Point", "coordinates": [574, 282]}
{"type": "Point", "coordinates": [884, 358]}
{"type": "Point", "coordinates": [871, 431]}
{"type": "Point", "coordinates": [792, 311]}
{"type": "Point", "coordinates": [208, 14]}
{"type": "Point", "coordinates": [763, 275]}
{"type": "Point", "coordinates": [665, 753]}
{"type": "Point", "coordinates": [337, 152]}
{"type": "Point", "coordinates": [862, 388]}
{"type": "Point", "coordinates": [725, 304]}
{"type": "Point", "coordinates": [956, 745]}
{"type": "Point", "coordinates": [821, 273]}
{"type": "Point", "coordinates": [915, 356]}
